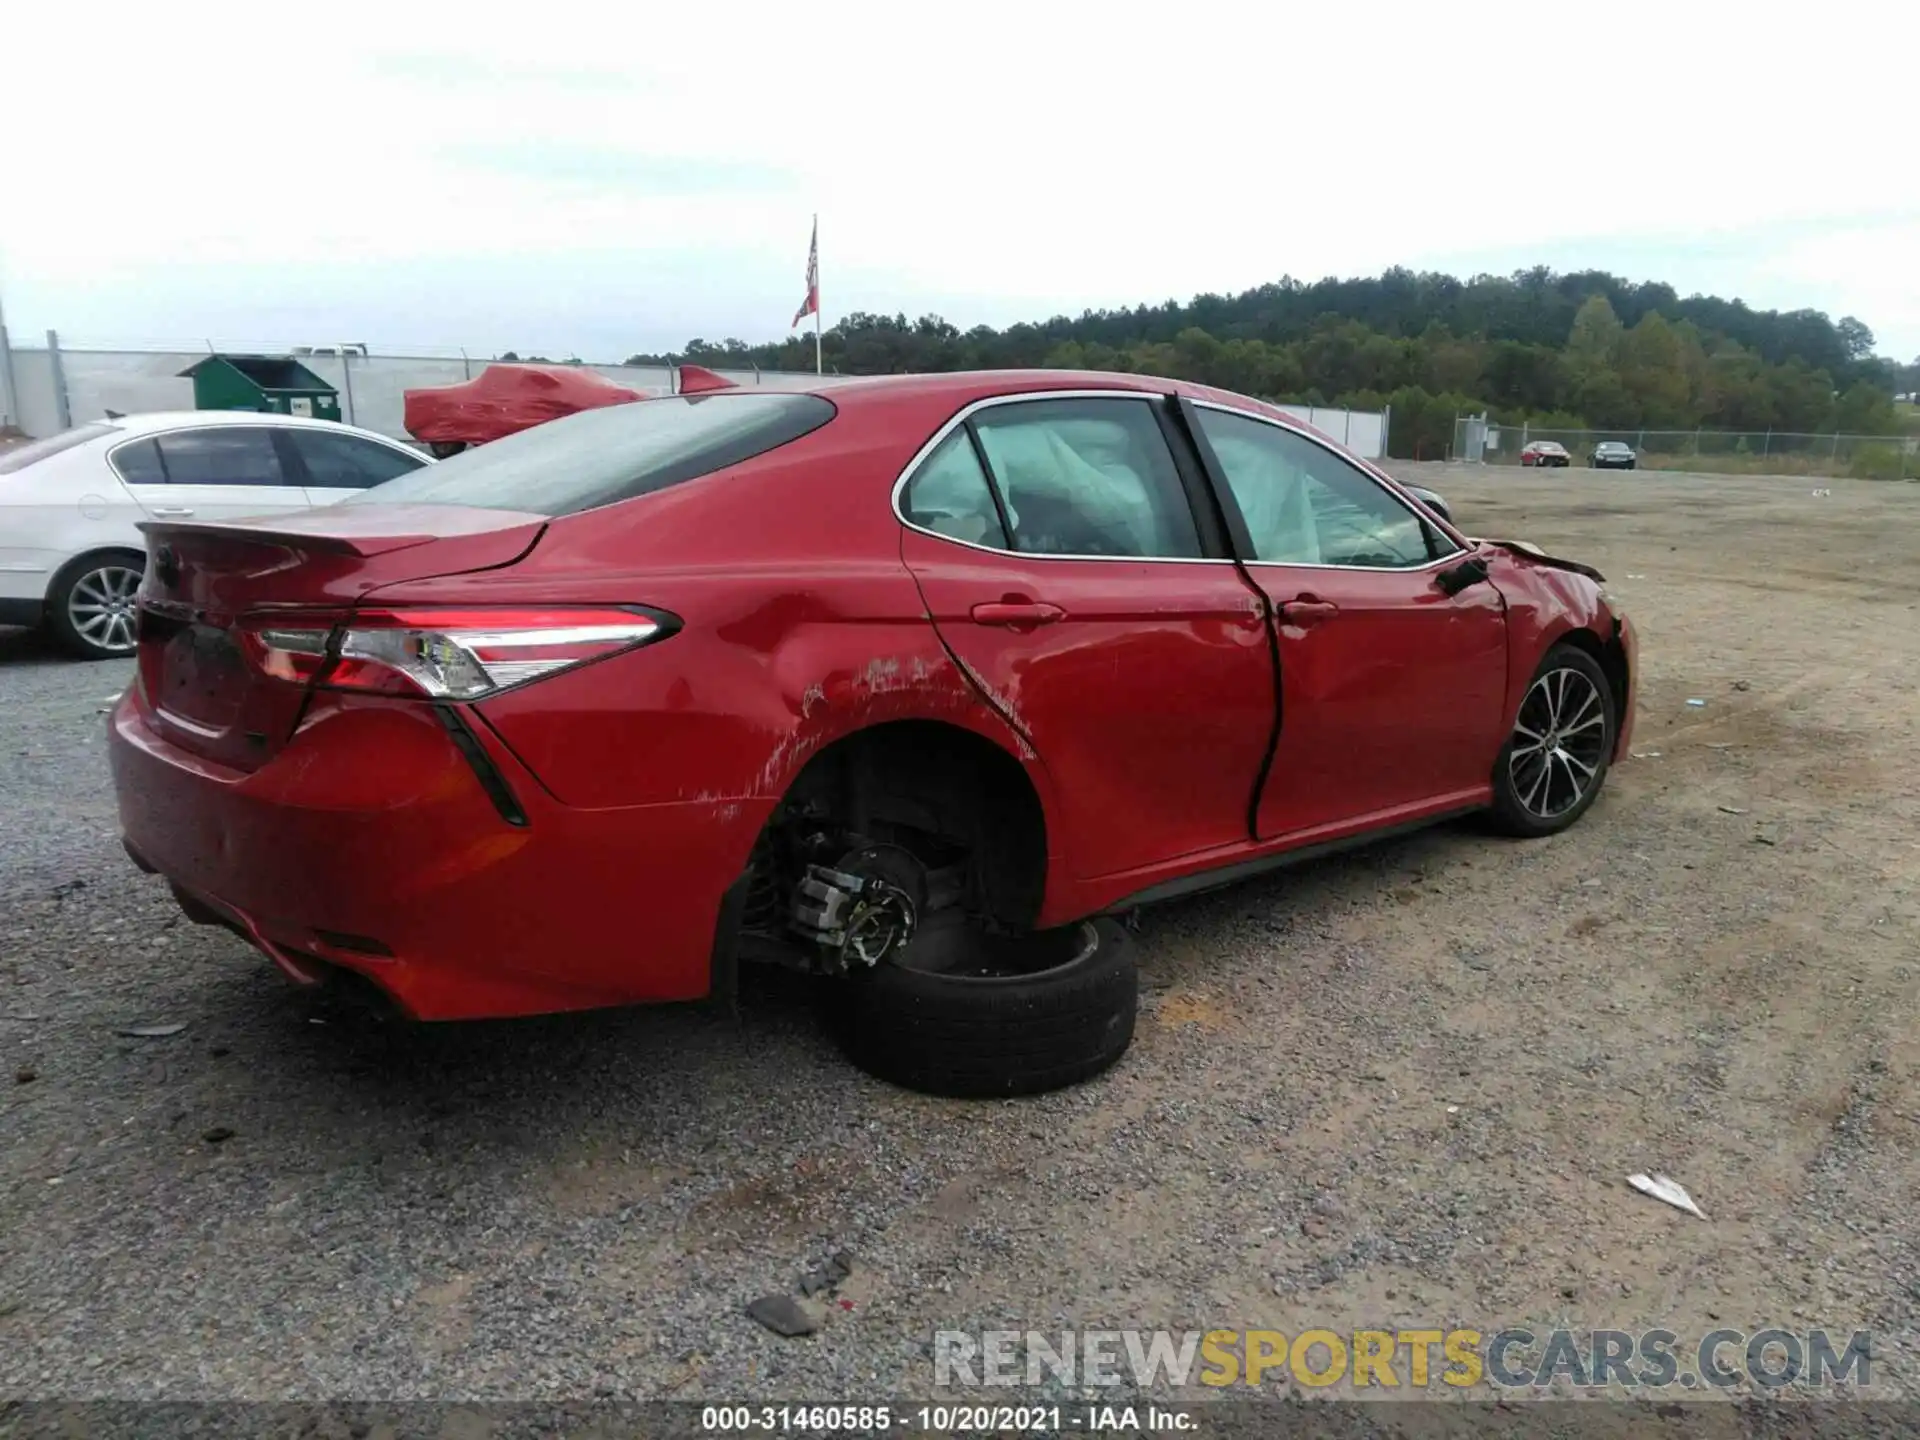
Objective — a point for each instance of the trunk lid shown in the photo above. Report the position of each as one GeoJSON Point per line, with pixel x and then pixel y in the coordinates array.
{"type": "Point", "coordinates": [207, 581]}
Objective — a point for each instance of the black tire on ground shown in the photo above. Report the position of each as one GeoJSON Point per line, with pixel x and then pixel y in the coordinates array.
{"type": "Point", "coordinates": [947, 1032]}
{"type": "Point", "coordinates": [1511, 813]}
{"type": "Point", "coordinates": [89, 605]}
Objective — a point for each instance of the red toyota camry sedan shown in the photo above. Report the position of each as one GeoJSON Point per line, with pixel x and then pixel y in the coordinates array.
{"type": "Point", "coordinates": [911, 682]}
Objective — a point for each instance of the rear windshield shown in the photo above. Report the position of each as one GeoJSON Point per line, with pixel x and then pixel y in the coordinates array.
{"type": "Point", "coordinates": [599, 456]}
{"type": "Point", "coordinates": [21, 456]}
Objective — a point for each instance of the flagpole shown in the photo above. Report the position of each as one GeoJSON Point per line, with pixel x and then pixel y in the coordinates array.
{"type": "Point", "coordinates": [816, 298]}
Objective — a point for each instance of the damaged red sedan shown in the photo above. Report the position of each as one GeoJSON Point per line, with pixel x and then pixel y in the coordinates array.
{"type": "Point", "coordinates": [913, 682]}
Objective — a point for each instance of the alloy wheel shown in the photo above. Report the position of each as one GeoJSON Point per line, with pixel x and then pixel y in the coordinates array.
{"type": "Point", "coordinates": [101, 607]}
{"type": "Point", "coordinates": [1559, 743]}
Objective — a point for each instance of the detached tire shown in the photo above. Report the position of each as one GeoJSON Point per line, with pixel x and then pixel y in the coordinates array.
{"type": "Point", "coordinates": [945, 1018]}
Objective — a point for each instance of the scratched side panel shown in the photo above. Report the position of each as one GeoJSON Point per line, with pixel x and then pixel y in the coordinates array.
{"type": "Point", "coordinates": [1544, 602]}
{"type": "Point", "coordinates": [800, 625]}
{"type": "Point", "coordinates": [1149, 699]}
{"type": "Point", "coordinates": [754, 685]}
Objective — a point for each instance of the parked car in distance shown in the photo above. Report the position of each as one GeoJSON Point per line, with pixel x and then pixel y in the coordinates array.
{"type": "Point", "coordinates": [1545, 453]}
{"type": "Point", "coordinates": [503, 400]}
{"type": "Point", "coordinates": [71, 554]}
{"type": "Point", "coordinates": [1613, 455]}
{"type": "Point", "coordinates": [908, 682]}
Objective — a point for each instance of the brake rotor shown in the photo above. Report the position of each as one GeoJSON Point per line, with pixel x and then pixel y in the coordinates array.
{"type": "Point", "coordinates": [882, 917]}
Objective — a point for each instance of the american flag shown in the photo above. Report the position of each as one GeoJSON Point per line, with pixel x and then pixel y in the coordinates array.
{"type": "Point", "coordinates": [812, 303]}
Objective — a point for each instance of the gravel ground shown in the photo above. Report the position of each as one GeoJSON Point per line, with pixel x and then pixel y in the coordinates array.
{"type": "Point", "coordinates": [1402, 1087]}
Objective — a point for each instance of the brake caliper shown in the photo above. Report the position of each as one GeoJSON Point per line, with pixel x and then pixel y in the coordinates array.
{"type": "Point", "coordinates": [857, 917]}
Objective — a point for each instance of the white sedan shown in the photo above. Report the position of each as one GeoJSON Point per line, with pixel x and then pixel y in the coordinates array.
{"type": "Point", "coordinates": [70, 556]}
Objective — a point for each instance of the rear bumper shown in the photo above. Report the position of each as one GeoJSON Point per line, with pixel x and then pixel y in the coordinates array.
{"type": "Point", "coordinates": [369, 844]}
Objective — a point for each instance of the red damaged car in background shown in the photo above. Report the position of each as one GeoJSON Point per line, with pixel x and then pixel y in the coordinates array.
{"type": "Point", "coordinates": [910, 682]}
{"type": "Point", "coordinates": [504, 400]}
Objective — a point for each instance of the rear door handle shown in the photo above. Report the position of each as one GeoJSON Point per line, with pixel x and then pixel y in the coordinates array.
{"type": "Point", "coordinates": [171, 510]}
{"type": "Point", "coordinates": [1016, 613]}
{"type": "Point", "coordinates": [1308, 612]}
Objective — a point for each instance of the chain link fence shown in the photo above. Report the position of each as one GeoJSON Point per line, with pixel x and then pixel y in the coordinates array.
{"type": "Point", "coordinates": [1729, 452]}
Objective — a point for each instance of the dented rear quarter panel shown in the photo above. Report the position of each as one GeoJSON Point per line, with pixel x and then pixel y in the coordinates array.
{"type": "Point", "coordinates": [800, 625]}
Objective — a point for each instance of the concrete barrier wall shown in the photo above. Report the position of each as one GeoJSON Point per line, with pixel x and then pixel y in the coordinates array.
{"type": "Point", "coordinates": [372, 388]}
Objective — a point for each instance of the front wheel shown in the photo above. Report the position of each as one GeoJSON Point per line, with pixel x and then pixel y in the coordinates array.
{"type": "Point", "coordinates": [1556, 756]}
{"type": "Point", "coordinates": [90, 607]}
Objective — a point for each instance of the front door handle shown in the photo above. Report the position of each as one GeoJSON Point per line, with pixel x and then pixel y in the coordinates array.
{"type": "Point", "coordinates": [176, 510]}
{"type": "Point", "coordinates": [1308, 611]}
{"type": "Point", "coordinates": [1016, 613]}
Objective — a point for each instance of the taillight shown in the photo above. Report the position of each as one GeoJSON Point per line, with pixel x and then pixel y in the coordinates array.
{"type": "Point", "coordinates": [443, 654]}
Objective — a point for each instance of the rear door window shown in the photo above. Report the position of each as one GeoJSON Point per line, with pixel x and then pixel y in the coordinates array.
{"type": "Point", "coordinates": [950, 495]}
{"type": "Point", "coordinates": [1088, 477]}
{"type": "Point", "coordinates": [337, 461]}
{"type": "Point", "coordinates": [598, 457]}
{"type": "Point", "coordinates": [222, 455]}
{"type": "Point", "coordinates": [139, 463]}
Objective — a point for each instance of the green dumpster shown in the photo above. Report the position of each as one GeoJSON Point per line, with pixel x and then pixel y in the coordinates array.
{"type": "Point", "coordinates": [270, 384]}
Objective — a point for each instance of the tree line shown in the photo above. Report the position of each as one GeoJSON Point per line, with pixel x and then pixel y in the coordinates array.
{"type": "Point", "coordinates": [1578, 351]}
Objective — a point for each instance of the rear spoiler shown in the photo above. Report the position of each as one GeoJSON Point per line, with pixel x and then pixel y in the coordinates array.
{"type": "Point", "coordinates": [358, 531]}
{"type": "Point", "coordinates": [698, 380]}
{"type": "Point", "coordinates": [362, 546]}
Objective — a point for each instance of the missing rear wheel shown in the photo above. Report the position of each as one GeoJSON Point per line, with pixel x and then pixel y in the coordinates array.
{"type": "Point", "coordinates": [964, 1013]}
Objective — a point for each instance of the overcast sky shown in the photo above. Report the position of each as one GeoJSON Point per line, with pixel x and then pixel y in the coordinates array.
{"type": "Point", "coordinates": [579, 178]}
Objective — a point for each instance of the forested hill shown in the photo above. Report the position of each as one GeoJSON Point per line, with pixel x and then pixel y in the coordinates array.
{"type": "Point", "coordinates": [1580, 350]}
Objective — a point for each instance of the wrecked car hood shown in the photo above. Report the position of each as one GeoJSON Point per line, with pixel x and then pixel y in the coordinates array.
{"type": "Point", "coordinates": [1540, 557]}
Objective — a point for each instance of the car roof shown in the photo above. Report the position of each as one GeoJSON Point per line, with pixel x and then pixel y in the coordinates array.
{"type": "Point", "coordinates": [971, 384]}
{"type": "Point", "coordinates": [962, 387]}
{"type": "Point", "coordinates": [158, 420]}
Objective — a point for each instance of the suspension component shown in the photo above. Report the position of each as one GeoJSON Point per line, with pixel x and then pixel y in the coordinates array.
{"type": "Point", "coordinates": [858, 919]}
{"type": "Point", "coordinates": [861, 909]}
